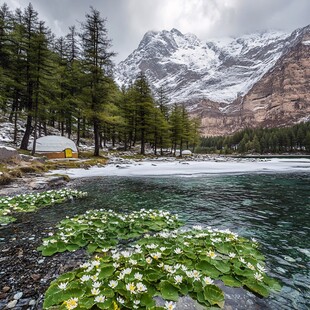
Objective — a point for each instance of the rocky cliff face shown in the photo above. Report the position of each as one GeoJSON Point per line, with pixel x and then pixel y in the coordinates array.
{"type": "Point", "coordinates": [280, 98]}
{"type": "Point", "coordinates": [259, 79]}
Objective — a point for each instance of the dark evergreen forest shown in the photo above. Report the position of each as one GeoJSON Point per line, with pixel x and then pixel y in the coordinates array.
{"type": "Point", "coordinates": [68, 83]}
{"type": "Point", "coordinates": [295, 139]}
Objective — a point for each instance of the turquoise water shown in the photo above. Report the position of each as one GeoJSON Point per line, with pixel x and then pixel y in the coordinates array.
{"type": "Point", "coordinates": [274, 209]}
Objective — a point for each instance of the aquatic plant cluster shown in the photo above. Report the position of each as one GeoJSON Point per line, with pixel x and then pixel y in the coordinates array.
{"type": "Point", "coordinates": [167, 262]}
{"type": "Point", "coordinates": [31, 202]}
{"type": "Point", "coordinates": [98, 229]}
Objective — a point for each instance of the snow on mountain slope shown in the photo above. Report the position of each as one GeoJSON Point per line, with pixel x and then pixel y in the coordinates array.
{"type": "Point", "coordinates": [219, 70]}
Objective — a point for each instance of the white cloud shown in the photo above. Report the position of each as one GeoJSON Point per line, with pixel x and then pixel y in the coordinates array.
{"type": "Point", "coordinates": [128, 20]}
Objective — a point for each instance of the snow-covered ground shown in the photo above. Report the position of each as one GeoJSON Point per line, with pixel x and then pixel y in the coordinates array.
{"type": "Point", "coordinates": [192, 168]}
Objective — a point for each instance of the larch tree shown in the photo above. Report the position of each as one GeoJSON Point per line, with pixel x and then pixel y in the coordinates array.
{"type": "Point", "coordinates": [97, 63]}
{"type": "Point", "coordinates": [145, 106]}
{"type": "Point", "coordinates": [30, 27]}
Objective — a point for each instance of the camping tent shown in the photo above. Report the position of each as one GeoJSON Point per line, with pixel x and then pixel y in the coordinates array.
{"type": "Point", "coordinates": [55, 147]}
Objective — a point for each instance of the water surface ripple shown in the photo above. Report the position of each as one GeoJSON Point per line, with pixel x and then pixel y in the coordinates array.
{"type": "Point", "coordinates": [272, 208]}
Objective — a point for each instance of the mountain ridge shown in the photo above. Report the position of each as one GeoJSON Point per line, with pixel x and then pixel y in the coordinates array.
{"type": "Point", "coordinates": [219, 71]}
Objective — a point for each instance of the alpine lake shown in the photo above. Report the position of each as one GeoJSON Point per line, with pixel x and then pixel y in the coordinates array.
{"type": "Point", "coordinates": [272, 208]}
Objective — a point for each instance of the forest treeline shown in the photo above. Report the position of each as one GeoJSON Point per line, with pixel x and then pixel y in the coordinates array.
{"type": "Point", "coordinates": [68, 83]}
{"type": "Point", "coordinates": [273, 140]}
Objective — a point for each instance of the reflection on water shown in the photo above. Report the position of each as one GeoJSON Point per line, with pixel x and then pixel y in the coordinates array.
{"type": "Point", "coordinates": [274, 209]}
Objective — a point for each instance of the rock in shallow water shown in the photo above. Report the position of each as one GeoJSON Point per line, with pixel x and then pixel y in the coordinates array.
{"type": "Point", "coordinates": [11, 304]}
{"type": "Point", "coordinates": [18, 295]}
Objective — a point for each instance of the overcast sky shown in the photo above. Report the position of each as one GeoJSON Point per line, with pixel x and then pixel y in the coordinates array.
{"type": "Point", "coordinates": [128, 20]}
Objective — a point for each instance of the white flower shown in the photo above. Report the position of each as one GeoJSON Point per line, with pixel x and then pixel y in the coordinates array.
{"type": "Point", "coordinates": [126, 254]}
{"type": "Point", "coordinates": [162, 248]}
{"type": "Point", "coordinates": [95, 263]}
{"type": "Point", "coordinates": [116, 256]}
{"type": "Point", "coordinates": [151, 246]}
{"type": "Point", "coordinates": [169, 269]}
{"type": "Point", "coordinates": [178, 251]}
{"type": "Point", "coordinates": [242, 260]}
{"type": "Point", "coordinates": [138, 276]}
{"type": "Point", "coordinates": [141, 287]}
{"type": "Point", "coordinates": [113, 283]}
{"type": "Point", "coordinates": [231, 255]}
{"type": "Point", "coordinates": [63, 285]}
{"type": "Point", "coordinates": [178, 279]}
{"type": "Point", "coordinates": [138, 251]}
{"type": "Point", "coordinates": [96, 284]}
{"type": "Point", "coordinates": [120, 300]}
{"type": "Point", "coordinates": [133, 262]}
{"type": "Point", "coordinates": [196, 275]}
{"type": "Point", "coordinates": [184, 268]}
{"type": "Point", "coordinates": [116, 265]}
{"type": "Point", "coordinates": [169, 305]}
{"type": "Point", "coordinates": [100, 298]}
{"type": "Point", "coordinates": [121, 276]}
{"type": "Point", "coordinates": [71, 303]}
{"type": "Point", "coordinates": [261, 268]}
{"type": "Point", "coordinates": [94, 277]}
{"type": "Point", "coordinates": [211, 254]}
{"type": "Point", "coordinates": [85, 278]}
{"type": "Point", "coordinates": [250, 266]}
{"type": "Point", "coordinates": [131, 288]}
{"type": "Point", "coordinates": [136, 303]}
{"type": "Point", "coordinates": [127, 271]}
{"type": "Point", "coordinates": [208, 280]}
{"type": "Point", "coordinates": [189, 274]}
{"type": "Point", "coordinates": [156, 255]}
{"type": "Point", "coordinates": [95, 291]}
{"type": "Point", "coordinates": [258, 276]}
{"type": "Point", "coordinates": [148, 260]}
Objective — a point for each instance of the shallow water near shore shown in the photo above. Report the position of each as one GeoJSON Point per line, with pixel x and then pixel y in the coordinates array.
{"type": "Point", "coordinates": [272, 208]}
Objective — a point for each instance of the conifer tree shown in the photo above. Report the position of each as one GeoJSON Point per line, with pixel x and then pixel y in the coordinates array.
{"type": "Point", "coordinates": [30, 27]}
{"type": "Point", "coordinates": [97, 63]}
{"type": "Point", "coordinates": [145, 106]}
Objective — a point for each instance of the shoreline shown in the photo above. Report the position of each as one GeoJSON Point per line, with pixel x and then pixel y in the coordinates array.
{"type": "Point", "coordinates": [190, 167]}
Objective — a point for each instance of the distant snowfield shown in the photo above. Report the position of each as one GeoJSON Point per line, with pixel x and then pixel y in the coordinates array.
{"type": "Point", "coordinates": [192, 168]}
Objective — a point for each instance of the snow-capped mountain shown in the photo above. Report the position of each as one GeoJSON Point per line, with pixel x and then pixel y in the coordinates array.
{"type": "Point", "coordinates": [219, 70]}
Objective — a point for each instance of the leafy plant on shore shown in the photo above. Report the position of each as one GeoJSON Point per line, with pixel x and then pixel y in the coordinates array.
{"type": "Point", "coordinates": [98, 229]}
{"type": "Point", "coordinates": [31, 202]}
{"type": "Point", "coordinates": [167, 264]}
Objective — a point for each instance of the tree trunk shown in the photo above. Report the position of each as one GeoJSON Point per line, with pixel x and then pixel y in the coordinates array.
{"type": "Point", "coordinates": [26, 137]}
{"type": "Point", "coordinates": [35, 128]}
{"type": "Point", "coordinates": [83, 127]}
{"type": "Point", "coordinates": [15, 127]}
{"type": "Point", "coordinates": [142, 152]}
{"type": "Point", "coordinates": [96, 136]}
{"type": "Point", "coordinates": [78, 131]}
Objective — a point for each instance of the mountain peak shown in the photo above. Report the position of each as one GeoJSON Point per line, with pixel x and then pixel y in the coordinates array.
{"type": "Point", "coordinates": [218, 70]}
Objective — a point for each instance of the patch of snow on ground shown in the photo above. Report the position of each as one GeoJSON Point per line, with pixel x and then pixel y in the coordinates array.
{"type": "Point", "coordinates": [192, 168]}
